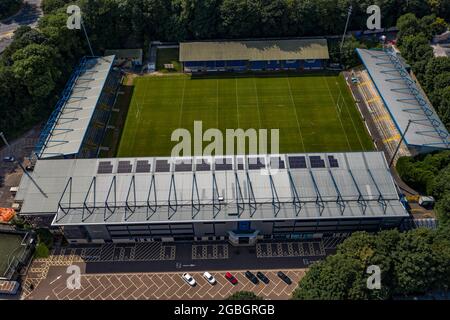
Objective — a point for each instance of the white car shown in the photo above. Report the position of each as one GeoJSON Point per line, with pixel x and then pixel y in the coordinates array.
{"type": "Point", "coordinates": [209, 277]}
{"type": "Point", "coordinates": [189, 279]}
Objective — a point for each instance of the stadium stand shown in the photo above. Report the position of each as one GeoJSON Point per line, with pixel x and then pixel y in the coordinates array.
{"type": "Point", "coordinates": [300, 194]}
{"type": "Point", "coordinates": [78, 123]}
{"type": "Point", "coordinates": [405, 101]}
{"type": "Point", "coordinates": [256, 55]}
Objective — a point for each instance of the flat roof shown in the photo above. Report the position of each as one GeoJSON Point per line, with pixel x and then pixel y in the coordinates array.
{"type": "Point", "coordinates": [151, 190]}
{"type": "Point", "coordinates": [254, 50]}
{"type": "Point", "coordinates": [404, 100]}
{"type": "Point", "coordinates": [67, 134]}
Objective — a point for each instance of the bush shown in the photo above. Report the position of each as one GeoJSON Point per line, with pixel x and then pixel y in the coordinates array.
{"type": "Point", "coordinates": [45, 237]}
{"type": "Point", "coordinates": [42, 251]}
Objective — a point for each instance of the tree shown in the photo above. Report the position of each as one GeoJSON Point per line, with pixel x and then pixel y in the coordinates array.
{"type": "Point", "coordinates": [35, 66]}
{"type": "Point", "coordinates": [9, 7]}
{"type": "Point", "coordinates": [441, 184]}
{"type": "Point", "coordinates": [348, 57]}
{"type": "Point", "coordinates": [443, 208]}
{"type": "Point", "coordinates": [41, 251]}
{"type": "Point", "coordinates": [50, 6]}
{"type": "Point", "coordinates": [244, 295]}
{"type": "Point", "coordinates": [418, 267]}
{"type": "Point", "coordinates": [338, 277]}
{"type": "Point", "coordinates": [408, 25]}
{"type": "Point", "coordinates": [416, 48]}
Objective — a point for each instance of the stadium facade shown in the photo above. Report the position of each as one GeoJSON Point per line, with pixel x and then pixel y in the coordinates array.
{"type": "Point", "coordinates": [237, 198]}
{"type": "Point", "coordinates": [254, 55]}
{"type": "Point", "coordinates": [407, 104]}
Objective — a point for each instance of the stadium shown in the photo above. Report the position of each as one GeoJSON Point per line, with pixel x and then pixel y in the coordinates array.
{"type": "Point", "coordinates": [327, 178]}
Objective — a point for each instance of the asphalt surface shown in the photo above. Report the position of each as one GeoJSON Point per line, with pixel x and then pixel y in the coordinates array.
{"type": "Point", "coordinates": [153, 270]}
{"type": "Point", "coordinates": [28, 15]}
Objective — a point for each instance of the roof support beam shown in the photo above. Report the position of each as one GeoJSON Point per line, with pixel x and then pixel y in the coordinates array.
{"type": "Point", "coordinates": [295, 197]}
{"type": "Point", "coordinates": [173, 203]}
{"type": "Point", "coordinates": [339, 199]}
{"type": "Point", "coordinates": [239, 198]}
{"type": "Point", "coordinates": [251, 196]}
{"type": "Point", "coordinates": [319, 201]}
{"type": "Point", "coordinates": [108, 207]}
{"type": "Point", "coordinates": [195, 197]}
{"type": "Point", "coordinates": [152, 203]}
{"type": "Point", "coordinates": [60, 206]}
{"type": "Point", "coordinates": [275, 199]}
{"type": "Point", "coordinates": [86, 207]}
{"type": "Point", "coordinates": [361, 201]}
{"type": "Point", "coordinates": [130, 204]}
{"type": "Point", "coordinates": [215, 194]}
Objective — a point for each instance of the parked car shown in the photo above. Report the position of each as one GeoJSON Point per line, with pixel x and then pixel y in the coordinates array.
{"type": "Point", "coordinates": [250, 276]}
{"type": "Point", "coordinates": [284, 277]}
{"type": "Point", "coordinates": [209, 277]}
{"type": "Point", "coordinates": [262, 277]}
{"type": "Point", "coordinates": [231, 278]}
{"type": "Point", "coordinates": [9, 159]}
{"type": "Point", "coordinates": [189, 279]}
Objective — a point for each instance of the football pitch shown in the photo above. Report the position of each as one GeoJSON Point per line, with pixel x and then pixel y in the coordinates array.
{"type": "Point", "coordinates": [314, 113]}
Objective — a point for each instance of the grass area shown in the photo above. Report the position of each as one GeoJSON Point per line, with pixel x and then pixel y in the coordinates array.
{"type": "Point", "coordinates": [314, 113]}
{"type": "Point", "coordinates": [168, 56]}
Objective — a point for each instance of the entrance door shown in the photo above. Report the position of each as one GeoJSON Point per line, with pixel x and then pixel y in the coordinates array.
{"type": "Point", "coordinates": [244, 226]}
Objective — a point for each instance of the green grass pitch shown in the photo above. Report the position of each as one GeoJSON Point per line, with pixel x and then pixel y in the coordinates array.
{"type": "Point", "coordinates": [314, 113]}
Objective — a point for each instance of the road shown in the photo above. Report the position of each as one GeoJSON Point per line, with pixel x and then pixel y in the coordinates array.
{"type": "Point", "coordinates": [28, 15]}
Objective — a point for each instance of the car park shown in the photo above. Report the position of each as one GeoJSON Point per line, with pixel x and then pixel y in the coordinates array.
{"type": "Point", "coordinates": [250, 276]}
{"type": "Point", "coordinates": [231, 278]}
{"type": "Point", "coordinates": [209, 277]}
{"type": "Point", "coordinates": [261, 276]}
{"type": "Point", "coordinates": [189, 279]}
{"type": "Point", "coordinates": [284, 277]}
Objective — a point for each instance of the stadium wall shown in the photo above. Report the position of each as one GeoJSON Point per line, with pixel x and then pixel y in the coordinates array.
{"type": "Point", "coordinates": [234, 231]}
{"type": "Point", "coordinates": [247, 65]}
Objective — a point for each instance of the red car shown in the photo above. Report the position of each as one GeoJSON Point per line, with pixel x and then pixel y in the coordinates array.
{"type": "Point", "coordinates": [231, 278]}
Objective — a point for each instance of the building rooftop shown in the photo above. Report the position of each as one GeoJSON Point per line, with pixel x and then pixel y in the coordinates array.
{"type": "Point", "coordinates": [149, 190]}
{"type": "Point", "coordinates": [405, 100]}
{"type": "Point", "coordinates": [254, 50]}
{"type": "Point", "coordinates": [66, 129]}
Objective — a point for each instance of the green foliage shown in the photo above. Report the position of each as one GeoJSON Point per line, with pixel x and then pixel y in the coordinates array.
{"type": "Point", "coordinates": [33, 70]}
{"type": "Point", "coordinates": [50, 6]}
{"type": "Point", "coordinates": [41, 251]}
{"type": "Point", "coordinates": [349, 57]}
{"type": "Point", "coordinates": [45, 237]}
{"type": "Point", "coordinates": [244, 295]}
{"type": "Point", "coordinates": [433, 73]}
{"type": "Point", "coordinates": [413, 262]}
